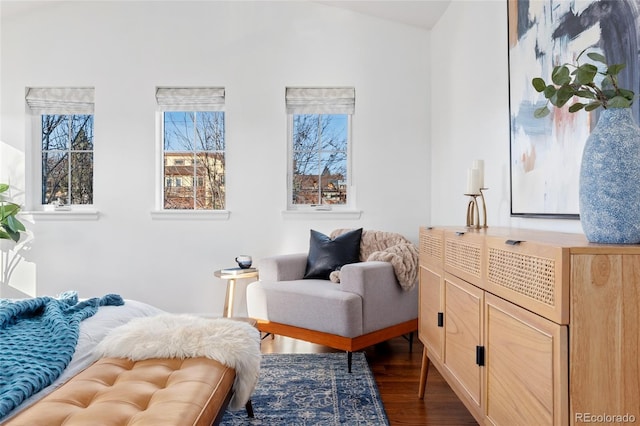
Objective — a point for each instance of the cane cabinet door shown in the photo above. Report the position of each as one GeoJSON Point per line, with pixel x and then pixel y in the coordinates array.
{"type": "Point", "coordinates": [431, 329]}
{"type": "Point", "coordinates": [463, 336]}
{"type": "Point", "coordinates": [526, 366]}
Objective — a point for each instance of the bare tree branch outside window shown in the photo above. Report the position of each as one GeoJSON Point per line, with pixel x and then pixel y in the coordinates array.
{"type": "Point", "coordinates": [67, 159]}
{"type": "Point", "coordinates": [319, 159]}
{"type": "Point", "coordinates": [194, 161]}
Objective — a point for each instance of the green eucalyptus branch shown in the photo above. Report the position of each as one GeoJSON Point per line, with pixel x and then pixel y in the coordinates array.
{"type": "Point", "coordinates": [10, 226]}
{"type": "Point", "coordinates": [575, 80]}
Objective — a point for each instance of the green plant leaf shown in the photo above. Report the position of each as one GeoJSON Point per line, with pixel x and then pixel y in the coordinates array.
{"type": "Point", "coordinates": [7, 234]}
{"type": "Point", "coordinates": [619, 102]}
{"type": "Point", "coordinates": [576, 107]}
{"type": "Point", "coordinates": [538, 84]}
{"type": "Point", "coordinates": [574, 80]}
{"type": "Point", "coordinates": [541, 112]}
{"type": "Point", "coordinates": [8, 209]}
{"type": "Point", "coordinates": [615, 69]}
{"type": "Point", "coordinates": [585, 74]}
{"type": "Point", "coordinates": [593, 105]}
{"type": "Point", "coordinates": [560, 75]}
{"type": "Point", "coordinates": [549, 91]}
{"type": "Point", "coordinates": [10, 226]}
{"type": "Point", "coordinates": [597, 57]}
{"type": "Point", "coordinates": [15, 236]}
{"type": "Point", "coordinates": [14, 224]}
{"type": "Point", "coordinates": [585, 94]}
{"type": "Point", "coordinates": [627, 94]}
{"type": "Point", "coordinates": [564, 94]}
{"type": "Point", "coordinates": [607, 82]}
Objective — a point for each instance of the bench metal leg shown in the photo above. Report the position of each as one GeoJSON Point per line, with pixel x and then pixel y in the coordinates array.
{"type": "Point", "coordinates": [249, 408]}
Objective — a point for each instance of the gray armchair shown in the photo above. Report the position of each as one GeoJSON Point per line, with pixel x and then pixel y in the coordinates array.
{"type": "Point", "coordinates": [366, 307]}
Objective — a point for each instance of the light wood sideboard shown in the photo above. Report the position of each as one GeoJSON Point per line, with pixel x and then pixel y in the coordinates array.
{"type": "Point", "coordinates": [532, 327]}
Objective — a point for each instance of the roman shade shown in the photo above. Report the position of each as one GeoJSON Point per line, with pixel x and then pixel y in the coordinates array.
{"type": "Point", "coordinates": [190, 98]}
{"type": "Point", "coordinates": [320, 100]}
{"type": "Point", "coordinates": [60, 100]}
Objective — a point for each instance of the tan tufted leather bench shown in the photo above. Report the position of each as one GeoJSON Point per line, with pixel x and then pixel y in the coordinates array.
{"type": "Point", "coordinates": [154, 392]}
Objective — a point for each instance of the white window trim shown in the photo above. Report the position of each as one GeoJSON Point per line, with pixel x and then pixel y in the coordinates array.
{"type": "Point", "coordinates": [159, 212]}
{"type": "Point", "coordinates": [347, 210]}
{"type": "Point", "coordinates": [33, 181]}
{"type": "Point", "coordinates": [52, 100]}
{"type": "Point", "coordinates": [190, 214]}
{"type": "Point", "coordinates": [316, 214]}
{"type": "Point", "coordinates": [62, 215]}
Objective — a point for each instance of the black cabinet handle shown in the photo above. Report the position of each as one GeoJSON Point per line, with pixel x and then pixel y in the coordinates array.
{"type": "Point", "coordinates": [480, 355]}
{"type": "Point", "coordinates": [513, 242]}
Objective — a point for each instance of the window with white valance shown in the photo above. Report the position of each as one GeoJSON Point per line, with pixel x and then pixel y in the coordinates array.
{"type": "Point", "coordinates": [320, 100]}
{"type": "Point", "coordinates": [60, 100]}
{"type": "Point", "coordinates": [63, 127]}
{"type": "Point", "coordinates": [319, 146]}
{"type": "Point", "coordinates": [193, 148]}
{"type": "Point", "coordinates": [190, 98]}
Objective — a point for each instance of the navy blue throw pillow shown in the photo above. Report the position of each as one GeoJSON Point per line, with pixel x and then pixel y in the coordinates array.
{"type": "Point", "coordinates": [327, 255]}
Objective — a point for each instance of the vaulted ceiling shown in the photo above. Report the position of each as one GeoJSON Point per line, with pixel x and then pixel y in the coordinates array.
{"type": "Point", "coordinates": [419, 13]}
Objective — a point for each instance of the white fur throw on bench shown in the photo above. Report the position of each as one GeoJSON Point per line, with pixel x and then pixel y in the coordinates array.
{"type": "Point", "coordinates": [387, 247]}
{"type": "Point", "coordinates": [235, 344]}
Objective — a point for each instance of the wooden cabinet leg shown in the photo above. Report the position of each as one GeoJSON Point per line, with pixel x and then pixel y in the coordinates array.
{"type": "Point", "coordinates": [424, 370]}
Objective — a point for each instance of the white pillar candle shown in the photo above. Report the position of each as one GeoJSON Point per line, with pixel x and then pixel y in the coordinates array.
{"type": "Point", "coordinates": [479, 164]}
{"type": "Point", "coordinates": [473, 181]}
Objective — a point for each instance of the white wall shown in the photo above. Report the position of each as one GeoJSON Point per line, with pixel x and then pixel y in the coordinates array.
{"type": "Point", "coordinates": [254, 50]}
{"type": "Point", "coordinates": [470, 114]}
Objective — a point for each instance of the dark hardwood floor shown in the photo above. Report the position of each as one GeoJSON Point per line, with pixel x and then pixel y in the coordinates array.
{"type": "Point", "coordinates": [397, 372]}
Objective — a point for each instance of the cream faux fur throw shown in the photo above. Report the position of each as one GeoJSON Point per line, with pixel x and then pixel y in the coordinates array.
{"type": "Point", "coordinates": [235, 344]}
{"type": "Point", "coordinates": [387, 247]}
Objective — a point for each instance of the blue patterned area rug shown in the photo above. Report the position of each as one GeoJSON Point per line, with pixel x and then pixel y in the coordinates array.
{"type": "Point", "coordinates": [313, 389]}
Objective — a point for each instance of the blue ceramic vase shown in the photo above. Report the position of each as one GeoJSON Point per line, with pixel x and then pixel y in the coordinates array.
{"type": "Point", "coordinates": [610, 180]}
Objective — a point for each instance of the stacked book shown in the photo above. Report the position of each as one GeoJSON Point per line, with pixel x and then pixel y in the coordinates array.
{"type": "Point", "coordinates": [237, 271]}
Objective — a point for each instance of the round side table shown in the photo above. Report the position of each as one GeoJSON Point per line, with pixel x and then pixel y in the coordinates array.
{"type": "Point", "coordinates": [231, 275]}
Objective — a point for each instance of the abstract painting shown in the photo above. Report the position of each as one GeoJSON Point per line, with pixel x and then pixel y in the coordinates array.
{"type": "Point", "coordinates": [546, 152]}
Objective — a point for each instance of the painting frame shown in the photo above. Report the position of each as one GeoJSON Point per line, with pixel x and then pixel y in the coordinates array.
{"type": "Point", "coordinates": [545, 154]}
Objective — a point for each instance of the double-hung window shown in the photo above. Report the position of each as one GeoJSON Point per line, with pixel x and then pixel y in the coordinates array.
{"type": "Point", "coordinates": [319, 133]}
{"type": "Point", "coordinates": [65, 126]}
{"type": "Point", "coordinates": [193, 148]}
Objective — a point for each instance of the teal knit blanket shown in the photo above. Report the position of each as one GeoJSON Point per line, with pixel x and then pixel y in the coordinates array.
{"type": "Point", "coordinates": [37, 340]}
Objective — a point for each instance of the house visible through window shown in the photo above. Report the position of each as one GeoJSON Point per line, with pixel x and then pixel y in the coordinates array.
{"type": "Point", "coordinates": [193, 148]}
{"type": "Point", "coordinates": [319, 135]}
{"type": "Point", "coordinates": [67, 159]}
{"type": "Point", "coordinates": [67, 143]}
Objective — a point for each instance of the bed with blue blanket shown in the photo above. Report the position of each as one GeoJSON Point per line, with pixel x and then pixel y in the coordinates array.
{"type": "Point", "coordinates": [45, 341]}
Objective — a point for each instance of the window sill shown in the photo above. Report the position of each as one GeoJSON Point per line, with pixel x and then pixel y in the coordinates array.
{"type": "Point", "coordinates": [63, 214]}
{"type": "Point", "coordinates": [190, 214]}
{"type": "Point", "coordinates": [322, 214]}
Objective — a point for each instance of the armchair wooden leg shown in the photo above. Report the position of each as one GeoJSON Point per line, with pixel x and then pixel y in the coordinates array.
{"type": "Point", "coordinates": [409, 339]}
{"type": "Point", "coordinates": [349, 359]}
{"type": "Point", "coordinates": [267, 335]}
{"type": "Point", "coordinates": [249, 408]}
{"type": "Point", "coordinates": [424, 370]}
